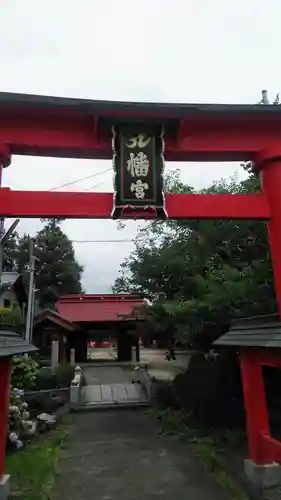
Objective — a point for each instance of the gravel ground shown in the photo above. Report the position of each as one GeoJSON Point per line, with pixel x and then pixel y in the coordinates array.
{"type": "Point", "coordinates": [119, 455]}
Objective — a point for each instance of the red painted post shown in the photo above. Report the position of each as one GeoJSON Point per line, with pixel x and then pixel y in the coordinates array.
{"type": "Point", "coordinates": [5, 378]}
{"type": "Point", "coordinates": [5, 159]}
{"type": "Point", "coordinates": [255, 406]}
{"type": "Point", "coordinates": [269, 163]}
{"type": "Point", "coordinates": [263, 449]}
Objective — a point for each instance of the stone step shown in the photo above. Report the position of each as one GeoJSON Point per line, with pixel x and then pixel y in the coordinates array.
{"type": "Point", "coordinates": [113, 394]}
{"type": "Point", "coordinates": [110, 406]}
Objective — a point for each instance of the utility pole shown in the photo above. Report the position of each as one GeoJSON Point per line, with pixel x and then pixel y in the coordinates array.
{"type": "Point", "coordinates": [33, 308]}
{"type": "Point", "coordinates": [32, 260]}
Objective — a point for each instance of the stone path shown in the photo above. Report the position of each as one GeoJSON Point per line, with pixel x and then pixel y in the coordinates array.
{"type": "Point", "coordinates": [99, 396]}
{"type": "Point", "coordinates": [118, 455]}
{"type": "Point", "coordinates": [96, 375]}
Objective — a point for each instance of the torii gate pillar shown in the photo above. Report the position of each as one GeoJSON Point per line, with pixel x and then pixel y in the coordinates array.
{"type": "Point", "coordinates": [269, 164]}
{"type": "Point", "coordinates": [263, 466]}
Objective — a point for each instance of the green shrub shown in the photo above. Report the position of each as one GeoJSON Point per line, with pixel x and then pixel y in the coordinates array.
{"type": "Point", "coordinates": [11, 317]}
{"type": "Point", "coordinates": [41, 360]}
{"type": "Point", "coordinates": [64, 374]}
{"type": "Point", "coordinates": [46, 379]}
{"type": "Point", "coordinates": [24, 372]}
{"type": "Point", "coordinates": [166, 395]}
{"type": "Point", "coordinates": [211, 390]}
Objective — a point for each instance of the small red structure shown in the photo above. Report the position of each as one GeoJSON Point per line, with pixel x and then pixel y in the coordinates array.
{"type": "Point", "coordinates": [102, 317]}
{"type": "Point", "coordinates": [137, 136]}
{"type": "Point", "coordinates": [100, 344]}
{"type": "Point", "coordinates": [49, 326]}
{"type": "Point", "coordinates": [85, 317]}
{"type": "Point", "coordinates": [258, 340]}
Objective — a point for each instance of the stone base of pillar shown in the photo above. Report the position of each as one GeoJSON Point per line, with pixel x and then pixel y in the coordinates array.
{"type": "Point", "coordinates": [4, 487]}
{"type": "Point", "coordinates": [263, 476]}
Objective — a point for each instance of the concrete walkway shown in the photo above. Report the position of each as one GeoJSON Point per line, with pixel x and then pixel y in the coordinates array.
{"type": "Point", "coordinates": [118, 455]}
{"type": "Point", "coordinates": [105, 375]}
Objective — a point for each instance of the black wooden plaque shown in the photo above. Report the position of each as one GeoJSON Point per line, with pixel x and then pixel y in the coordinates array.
{"type": "Point", "coordinates": [138, 162]}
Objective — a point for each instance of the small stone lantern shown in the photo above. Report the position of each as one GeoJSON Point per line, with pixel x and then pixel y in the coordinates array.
{"type": "Point", "coordinates": [11, 343]}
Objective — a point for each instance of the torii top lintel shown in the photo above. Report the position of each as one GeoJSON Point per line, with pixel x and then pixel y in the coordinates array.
{"type": "Point", "coordinates": [81, 128]}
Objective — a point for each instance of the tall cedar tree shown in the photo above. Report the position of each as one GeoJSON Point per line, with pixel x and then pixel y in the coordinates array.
{"type": "Point", "coordinates": [57, 271]}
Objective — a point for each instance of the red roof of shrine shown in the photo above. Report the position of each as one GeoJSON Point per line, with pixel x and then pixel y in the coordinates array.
{"type": "Point", "coordinates": [55, 317]}
{"type": "Point", "coordinates": [98, 308]}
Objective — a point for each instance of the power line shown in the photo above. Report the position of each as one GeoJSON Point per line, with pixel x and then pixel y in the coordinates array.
{"type": "Point", "coordinates": [93, 186]}
{"type": "Point", "coordinates": [82, 179]}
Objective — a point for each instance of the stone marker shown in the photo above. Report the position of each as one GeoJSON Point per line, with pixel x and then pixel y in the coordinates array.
{"type": "Point", "coordinates": [55, 355]}
{"type": "Point", "coordinates": [72, 356]}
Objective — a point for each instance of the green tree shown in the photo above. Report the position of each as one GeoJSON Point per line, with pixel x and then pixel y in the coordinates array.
{"type": "Point", "coordinates": [10, 253]}
{"type": "Point", "coordinates": [57, 271]}
{"type": "Point", "coordinates": [200, 274]}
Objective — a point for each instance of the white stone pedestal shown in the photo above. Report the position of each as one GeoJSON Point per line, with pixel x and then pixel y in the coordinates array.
{"type": "Point", "coordinates": [4, 487]}
{"type": "Point", "coordinates": [263, 476]}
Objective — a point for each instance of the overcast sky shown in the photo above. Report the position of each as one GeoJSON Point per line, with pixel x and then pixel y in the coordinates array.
{"type": "Point", "coordinates": [153, 50]}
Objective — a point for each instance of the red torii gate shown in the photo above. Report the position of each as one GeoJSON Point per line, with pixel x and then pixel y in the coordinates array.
{"type": "Point", "coordinates": [74, 128]}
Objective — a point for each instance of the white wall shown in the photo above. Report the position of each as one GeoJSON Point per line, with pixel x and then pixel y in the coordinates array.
{"type": "Point", "coordinates": [10, 295]}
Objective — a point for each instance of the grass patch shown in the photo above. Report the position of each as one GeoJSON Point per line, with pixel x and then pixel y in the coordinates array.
{"type": "Point", "coordinates": [176, 424]}
{"type": "Point", "coordinates": [33, 470]}
{"type": "Point", "coordinates": [204, 449]}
